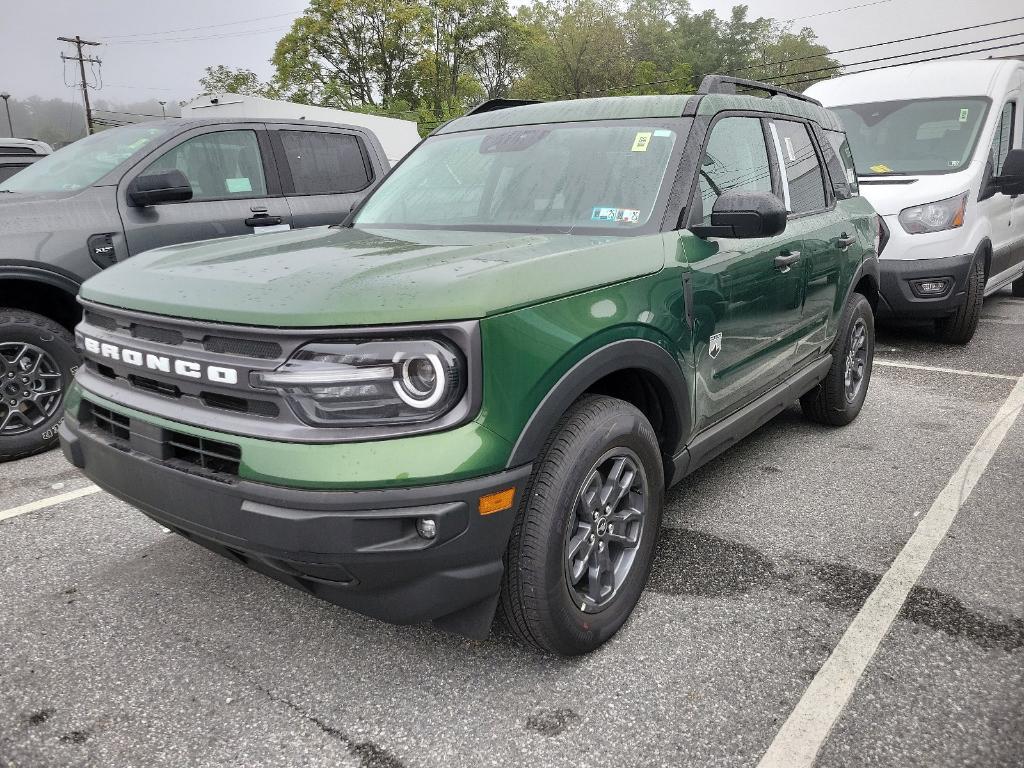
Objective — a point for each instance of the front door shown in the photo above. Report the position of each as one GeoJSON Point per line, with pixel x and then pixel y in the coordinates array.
{"type": "Point", "coordinates": [748, 293]}
{"type": "Point", "coordinates": [1002, 211]}
{"type": "Point", "coordinates": [233, 187]}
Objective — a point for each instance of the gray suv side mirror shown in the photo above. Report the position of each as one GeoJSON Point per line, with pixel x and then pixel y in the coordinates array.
{"type": "Point", "coordinates": [1011, 180]}
{"type": "Point", "coordinates": [159, 187]}
{"type": "Point", "coordinates": [745, 214]}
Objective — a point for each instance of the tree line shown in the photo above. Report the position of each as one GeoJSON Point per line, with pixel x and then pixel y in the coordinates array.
{"type": "Point", "coordinates": [431, 60]}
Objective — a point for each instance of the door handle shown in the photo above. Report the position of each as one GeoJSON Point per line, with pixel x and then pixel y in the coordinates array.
{"type": "Point", "coordinates": [786, 259]}
{"type": "Point", "coordinates": [263, 221]}
{"type": "Point", "coordinates": [845, 241]}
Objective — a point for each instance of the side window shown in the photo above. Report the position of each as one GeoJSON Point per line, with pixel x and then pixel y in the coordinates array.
{"type": "Point", "coordinates": [324, 163]}
{"type": "Point", "coordinates": [803, 172]}
{"type": "Point", "coordinates": [218, 165]}
{"type": "Point", "coordinates": [1002, 141]}
{"type": "Point", "coordinates": [839, 160]}
{"type": "Point", "coordinates": [735, 158]}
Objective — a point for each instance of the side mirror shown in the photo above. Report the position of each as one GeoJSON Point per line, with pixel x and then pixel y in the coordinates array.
{"type": "Point", "coordinates": [1011, 180]}
{"type": "Point", "coordinates": [159, 187]}
{"type": "Point", "coordinates": [745, 214]}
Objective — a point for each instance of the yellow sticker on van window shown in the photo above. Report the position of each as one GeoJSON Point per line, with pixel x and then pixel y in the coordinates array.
{"type": "Point", "coordinates": [642, 141]}
{"type": "Point", "coordinates": [880, 168]}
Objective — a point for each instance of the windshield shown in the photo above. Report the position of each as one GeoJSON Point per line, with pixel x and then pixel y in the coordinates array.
{"type": "Point", "coordinates": [80, 164]}
{"type": "Point", "coordinates": [584, 177]}
{"type": "Point", "coordinates": [913, 137]}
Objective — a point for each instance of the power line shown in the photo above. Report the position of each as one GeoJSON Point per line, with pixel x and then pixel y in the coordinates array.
{"type": "Point", "coordinates": [205, 26]}
{"type": "Point", "coordinates": [133, 114]}
{"type": "Point", "coordinates": [877, 45]}
{"type": "Point", "coordinates": [839, 10]}
{"type": "Point", "coordinates": [222, 36]}
{"type": "Point", "coordinates": [78, 42]}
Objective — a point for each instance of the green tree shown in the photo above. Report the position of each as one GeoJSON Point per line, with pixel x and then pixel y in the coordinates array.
{"type": "Point", "coordinates": [787, 56]}
{"type": "Point", "coordinates": [497, 61]}
{"type": "Point", "coordinates": [224, 79]}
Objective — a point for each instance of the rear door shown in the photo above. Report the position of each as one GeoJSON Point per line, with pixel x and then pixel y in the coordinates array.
{"type": "Point", "coordinates": [324, 171]}
{"type": "Point", "coordinates": [235, 189]}
{"type": "Point", "coordinates": [749, 298]}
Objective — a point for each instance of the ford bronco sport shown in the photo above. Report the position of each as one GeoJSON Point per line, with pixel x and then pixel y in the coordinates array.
{"type": "Point", "coordinates": [474, 393]}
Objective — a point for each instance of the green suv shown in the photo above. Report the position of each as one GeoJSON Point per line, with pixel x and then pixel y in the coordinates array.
{"type": "Point", "coordinates": [472, 395]}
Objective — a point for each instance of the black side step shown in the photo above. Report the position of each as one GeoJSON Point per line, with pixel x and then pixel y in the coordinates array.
{"type": "Point", "coordinates": [716, 439]}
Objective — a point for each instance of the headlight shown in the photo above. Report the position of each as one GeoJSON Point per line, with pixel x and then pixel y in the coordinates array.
{"type": "Point", "coordinates": [369, 382]}
{"type": "Point", "coordinates": [935, 217]}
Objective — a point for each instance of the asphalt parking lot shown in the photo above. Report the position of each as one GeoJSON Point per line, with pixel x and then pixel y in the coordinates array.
{"type": "Point", "coordinates": [123, 645]}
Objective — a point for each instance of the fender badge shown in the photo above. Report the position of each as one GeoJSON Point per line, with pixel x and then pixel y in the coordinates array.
{"type": "Point", "coordinates": [715, 345]}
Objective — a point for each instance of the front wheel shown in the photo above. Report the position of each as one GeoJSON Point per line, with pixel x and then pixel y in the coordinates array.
{"type": "Point", "coordinates": [582, 543]}
{"type": "Point", "coordinates": [839, 397]}
{"type": "Point", "coordinates": [37, 362]}
{"type": "Point", "coordinates": [959, 327]}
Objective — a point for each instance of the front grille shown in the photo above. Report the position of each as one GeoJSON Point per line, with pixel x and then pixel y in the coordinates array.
{"type": "Point", "coordinates": [211, 457]}
{"type": "Point", "coordinates": [114, 424]}
{"type": "Point", "coordinates": [101, 321]}
{"type": "Point", "coordinates": [159, 335]}
{"type": "Point", "coordinates": [152, 385]}
{"type": "Point", "coordinates": [265, 350]}
{"type": "Point", "coordinates": [239, 404]}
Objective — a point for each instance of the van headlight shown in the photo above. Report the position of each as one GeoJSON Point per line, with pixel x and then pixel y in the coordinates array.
{"type": "Point", "coordinates": [935, 217]}
{"type": "Point", "coordinates": [369, 382]}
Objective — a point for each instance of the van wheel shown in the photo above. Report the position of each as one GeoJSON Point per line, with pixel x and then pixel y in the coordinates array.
{"type": "Point", "coordinates": [839, 397]}
{"type": "Point", "coordinates": [37, 361]}
{"type": "Point", "coordinates": [959, 327]}
{"type": "Point", "coordinates": [582, 543]}
{"type": "Point", "coordinates": [1017, 287]}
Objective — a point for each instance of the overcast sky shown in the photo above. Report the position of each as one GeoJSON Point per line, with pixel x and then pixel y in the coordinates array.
{"type": "Point", "coordinates": [159, 50]}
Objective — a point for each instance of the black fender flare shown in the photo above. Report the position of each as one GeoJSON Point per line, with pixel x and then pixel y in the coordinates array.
{"type": "Point", "coordinates": [52, 276]}
{"type": "Point", "coordinates": [868, 266]}
{"type": "Point", "coordinates": [621, 355]}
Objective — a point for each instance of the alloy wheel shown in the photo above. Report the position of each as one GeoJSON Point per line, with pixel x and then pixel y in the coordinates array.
{"type": "Point", "coordinates": [856, 359]}
{"type": "Point", "coordinates": [31, 386]}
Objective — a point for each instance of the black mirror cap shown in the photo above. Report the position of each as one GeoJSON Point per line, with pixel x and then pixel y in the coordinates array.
{"type": "Point", "coordinates": [1011, 180]}
{"type": "Point", "coordinates": [160, 187]}
{"type": "Point", "coordinates": [745, 215]}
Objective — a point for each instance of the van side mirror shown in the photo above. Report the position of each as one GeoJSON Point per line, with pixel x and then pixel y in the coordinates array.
{"type": "Point", "coordinates": [745, 214]}
{"type": "Point", "coordinates": [1011, 180]}
{"type": "Point", "coordinates": [159, 187]}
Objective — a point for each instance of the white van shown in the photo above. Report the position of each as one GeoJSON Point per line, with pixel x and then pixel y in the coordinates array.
{"type": "Point", "coordinates": [932, 144]}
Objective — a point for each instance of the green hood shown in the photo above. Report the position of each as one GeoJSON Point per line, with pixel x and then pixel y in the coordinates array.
{"type": "Point", "coordinates": [344, 277]}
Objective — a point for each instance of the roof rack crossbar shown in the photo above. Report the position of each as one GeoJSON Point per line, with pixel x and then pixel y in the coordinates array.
{"type": "Point", "coordinates": [492, 105]}
{"type": "Point", "coordinates": [726, 84]}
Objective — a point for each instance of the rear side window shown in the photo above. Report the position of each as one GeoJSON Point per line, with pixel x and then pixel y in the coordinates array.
{"type": "Point", "coordinates": [6, 171]}
{"type": "Point", "coordinates": [325, 163]}
{"type": "Point", "coordinates": [840, 165]}
{"type": "Point", "coordinates": [803, 181]}
{"type": "Point", "coordinates": [218, 165]}
{"type": "Point", "coordinates": [1003, 139]}
{"type": "Point", "coordinates": [735, 158]}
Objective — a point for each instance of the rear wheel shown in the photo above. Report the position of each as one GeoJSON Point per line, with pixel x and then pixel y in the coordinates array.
{"type": "Point", "coordinates": [37, 362]}
{"type": "Point", "coordinates": [959, 327]}
{"type": "Point", "coordinates": [582, 543]}
{"type": "Point", "coordinates": [839, 397]}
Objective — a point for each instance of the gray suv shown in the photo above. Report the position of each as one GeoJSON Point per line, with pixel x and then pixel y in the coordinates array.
{"type": "Point", "coordinates": [130, 189]}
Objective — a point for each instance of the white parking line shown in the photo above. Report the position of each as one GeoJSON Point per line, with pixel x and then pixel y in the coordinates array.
{"type": "Point", "coordinates": [937, 369]}
{"type": "Point", "coordinates": [798, 741]}
{"type": "Point", "coordinates": [50, 501]}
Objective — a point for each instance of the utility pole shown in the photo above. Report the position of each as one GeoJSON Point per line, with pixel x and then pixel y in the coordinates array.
{"type": "Point", "coordinates": [7, 106]}
{"type": "Point", "coordinates": [78, 42]}
{"type": "Point", "coordinates": [163, 105]}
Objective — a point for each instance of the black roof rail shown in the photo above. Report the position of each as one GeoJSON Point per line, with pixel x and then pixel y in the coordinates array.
{"type": "Point", "coordinates": [492, 105]}
{"type": "Point", "coordinates": [726, 84]}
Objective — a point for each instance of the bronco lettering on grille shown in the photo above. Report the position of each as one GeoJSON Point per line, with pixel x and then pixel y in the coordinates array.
{"type": "Point", "coordinates": [190, 369]}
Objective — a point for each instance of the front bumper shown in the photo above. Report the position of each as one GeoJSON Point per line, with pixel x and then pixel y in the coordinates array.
{"type": "Point", "coordinates": [899, 300]}
{"type": "Point", "coordinates": [359, 549]}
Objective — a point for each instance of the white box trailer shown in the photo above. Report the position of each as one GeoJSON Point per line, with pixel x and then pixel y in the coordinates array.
{"type": "Point", "coordinates": [397, 137]}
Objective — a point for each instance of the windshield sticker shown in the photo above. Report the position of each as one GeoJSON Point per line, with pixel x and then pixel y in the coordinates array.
{"type": "Point", "coordinates": [641, 141]}
{"type": "Point", "coordinates": [881, 168]}
{"type": "Point", "coordinates": [616, 215]}
{"type": "Point", "coordinates": [663, 133]}
{"type": "Point", "coordinates": [789, 150]}
{"type": "Point", "coordinates": [238, 185]}
{"type": "Point", "coordinates": [963, 115]}
{"type": "Point", "coordinates": [954, 163]}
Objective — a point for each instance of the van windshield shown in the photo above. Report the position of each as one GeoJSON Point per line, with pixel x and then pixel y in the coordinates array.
{"type": "Point", "coordinates": [588, 177]}
{"type": "Point", "coordinates": [920, 136]}
{"type": "Point", "coordinates": [86, 161]}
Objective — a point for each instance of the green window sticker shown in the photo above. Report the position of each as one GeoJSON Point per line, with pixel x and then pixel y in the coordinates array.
{"type": "Point", "coordinates": [963, 115]}
{"type": "Point", "coordinates": [238, 185]}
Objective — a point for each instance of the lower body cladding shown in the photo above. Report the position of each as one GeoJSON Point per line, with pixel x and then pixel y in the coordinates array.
{"type": "Point", "coordinates": [372, 551]}
{"type": "Point", "coordinates": [923, 288]}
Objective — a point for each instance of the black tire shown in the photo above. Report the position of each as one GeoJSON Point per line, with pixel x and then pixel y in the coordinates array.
{"type": "Point", "coordinates": [1017, 287]}
{"type": "Point", "coordinates": [538, 600]}
{"type": "Point", "coordinates": [959, 327]}
{"type": "Point", "coordinates": [832, 401]}
{"type": "Point", "coordinates": [37, 355]}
